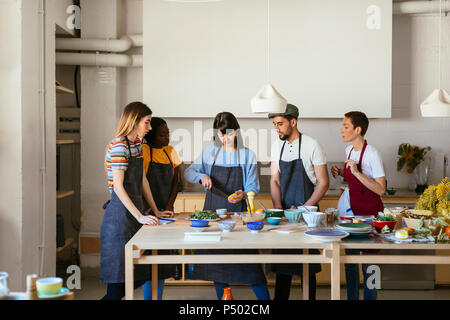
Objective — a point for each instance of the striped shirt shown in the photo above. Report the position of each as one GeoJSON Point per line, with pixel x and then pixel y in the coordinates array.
{"type": "Point", "coordinates": [117, 156]}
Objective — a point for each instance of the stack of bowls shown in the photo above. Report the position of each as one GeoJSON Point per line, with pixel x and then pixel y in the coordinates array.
{"type": "Point", "coordinates": [356, 230]}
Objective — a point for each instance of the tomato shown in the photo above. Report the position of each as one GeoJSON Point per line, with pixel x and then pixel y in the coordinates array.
{"type": "Point", "coordinates": [447, 231]}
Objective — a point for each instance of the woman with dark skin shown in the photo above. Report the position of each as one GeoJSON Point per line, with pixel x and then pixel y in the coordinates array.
{"type": "Point", "coordinates": [161, 166]}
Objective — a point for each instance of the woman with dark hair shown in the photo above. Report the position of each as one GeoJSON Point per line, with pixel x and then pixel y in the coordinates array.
{"type": "Point", "coordinates": [162, 168]}
{"type": "Point", "coordinates": [125, 214]}
{"type": "Point", "coordinates": [230, 167]}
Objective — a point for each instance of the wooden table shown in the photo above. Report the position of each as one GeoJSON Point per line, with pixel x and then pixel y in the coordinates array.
{"type": "Point", "coordinates": [171, 236]}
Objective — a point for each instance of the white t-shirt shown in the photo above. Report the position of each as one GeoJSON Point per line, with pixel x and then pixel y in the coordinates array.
{"type": "Point", "coordinates": [372, 165]}
{"type": "Point", "coordinates": [311, 152]}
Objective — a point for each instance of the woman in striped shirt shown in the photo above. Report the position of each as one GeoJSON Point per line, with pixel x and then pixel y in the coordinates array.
{"type": "Point", "coordinates": [124, 214]}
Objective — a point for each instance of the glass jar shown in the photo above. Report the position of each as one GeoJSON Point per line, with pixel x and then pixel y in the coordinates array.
{"type": "Point", "coordinates": [4, 291]}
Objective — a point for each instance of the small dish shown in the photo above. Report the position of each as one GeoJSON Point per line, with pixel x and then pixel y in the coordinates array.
{"type": "Point", "coordinates": [327, 235]}
{"type": "Point", "coordinates": [199, 223]}
{"type": "Point", "coordinates": [49, 286]}
{"type": "Point", "coordinates": [391, 192]}
{"type": "Point", "coordinates": [293, 215]}
{"type": "Point", "coordinates": [221, 212]}
{"type": "Point", "coordinates": [274, 213]}
{"type": "Point", "coordinates": [274, 221]}
{"type": "Point", "coordinates": [255, 226]}
{"type": "Point", "coordinates": [314, 219]}
{"type": "Point", "coordinates": [226, 226]}
{"type": "Point", "coordinates": [200, 229]}
{"type": "Point", "coordinates": [60, 294]}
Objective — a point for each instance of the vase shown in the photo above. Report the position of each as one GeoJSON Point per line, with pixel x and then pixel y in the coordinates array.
{"type": "Point", "coordinates": [422, 175]}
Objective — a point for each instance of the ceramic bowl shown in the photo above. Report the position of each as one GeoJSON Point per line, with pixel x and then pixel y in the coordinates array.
{"type": "Point", "coordinates": [200, 229]}
{"type": "Point", "coordinates": [226, 226]}
{"type": "Point", "coordinates": [293, 215]}
{"type": "Point", "coordinates": [274, 220]}
{"type": "Point", "coordinates": [310, 208]}
{"type": "Point", "coordinates": [275, 213]}
{"type": "Point", "coordinates": [391, 191]}
{"type": "Point", "coordinates": [199, 223]}
{"type": "Point", "coordinates": [49, 286]}
{"type": "Point", "coordinates": [221, 212]}
{"type": "Point", "coordinates": [379, 225]}
{"type": "Point", "coordinates": [314, 219]}
{"type": "Point", "coordinates": [255, 226]}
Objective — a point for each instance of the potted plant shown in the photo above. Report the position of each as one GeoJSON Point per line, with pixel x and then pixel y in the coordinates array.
{"type": "Point", "coordinates": [414, 159]}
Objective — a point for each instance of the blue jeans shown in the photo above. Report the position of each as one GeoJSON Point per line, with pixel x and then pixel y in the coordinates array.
{"type": "Point", "coordinates": [147, 289]}
{"type": "Point", "coordinates": [352, 277]}
{"type": "Point", "coordinates": [261, 291]}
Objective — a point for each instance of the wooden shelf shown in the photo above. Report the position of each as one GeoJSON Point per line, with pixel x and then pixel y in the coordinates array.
{"type": "Point", "coordinates": [68, 242]}
{"type": "Point", "coordinates": [61, 89]}
{"type": "Point", "coordinates": [60, 142]}
{"type": "Point", "coordinates": [60, 194]}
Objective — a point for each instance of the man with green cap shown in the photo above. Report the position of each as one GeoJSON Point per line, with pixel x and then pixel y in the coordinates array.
{"type": "Point", "coordinates": [299, 176]}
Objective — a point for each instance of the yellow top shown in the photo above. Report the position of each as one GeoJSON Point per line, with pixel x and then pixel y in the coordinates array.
{"type": "Point", "coordinates": [159, 156]}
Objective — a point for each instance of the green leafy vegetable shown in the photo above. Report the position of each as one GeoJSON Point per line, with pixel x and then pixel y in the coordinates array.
{"type": "Point", "coordinates": [386, 217]}
{"type": "Point", "coordinates": [204, 215]}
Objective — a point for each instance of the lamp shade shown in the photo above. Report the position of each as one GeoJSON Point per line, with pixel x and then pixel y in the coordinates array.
{"type": "Point", "coordinates": [436, 105]}
{"type": "Point", "coordinates": [268, 100]}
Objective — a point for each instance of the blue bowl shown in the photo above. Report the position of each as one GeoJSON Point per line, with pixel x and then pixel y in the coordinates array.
{"type": "Point", "coordinates": [199, 223]}
{"type": "Point", "coordinates": [255, 225]}
{"type": "Point", "coordinates": [274, 221]}
{"type": "Point", "coordinates": [293, 215]}
{"type": "Point", "coordinates": [391, 191]}
{"type": "Point", "coordinates": [226, 225]}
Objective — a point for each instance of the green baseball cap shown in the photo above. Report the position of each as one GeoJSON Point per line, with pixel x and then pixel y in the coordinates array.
{"type": "Point", "coordinates": [291, 110]}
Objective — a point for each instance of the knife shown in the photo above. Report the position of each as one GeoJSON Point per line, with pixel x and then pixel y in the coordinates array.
{"type": "Point", "coordinates": [217, 192]}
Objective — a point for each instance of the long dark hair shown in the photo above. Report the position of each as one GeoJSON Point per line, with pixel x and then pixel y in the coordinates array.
{"type": "Point", "coordinates": [227, 121]}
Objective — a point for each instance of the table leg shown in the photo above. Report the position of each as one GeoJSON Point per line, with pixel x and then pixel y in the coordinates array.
{"type": "Point", "coordinates": [336, 272]}
{"type": "Point", "coordinates": [305, 278]}
{"type": "Point", "coordinates": [129, 273]}
{"type": "Point", "coordinates": [154, 278]}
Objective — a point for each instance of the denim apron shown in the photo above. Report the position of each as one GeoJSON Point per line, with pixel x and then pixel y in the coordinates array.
{"type": "Point", "coordinates": [160, 178]}
{"type": "Point", "coordinates": [228, 179]}
{"type": "Point", "coordinates": [119, 226]}
{"type": "Point", "coordinates": [296, 188]}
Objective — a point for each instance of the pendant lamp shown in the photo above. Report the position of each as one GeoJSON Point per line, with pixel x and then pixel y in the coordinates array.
{"type": "Point", "coordinates": [437, 104]}
{"type": "Point", "coordinates": [268, 99]}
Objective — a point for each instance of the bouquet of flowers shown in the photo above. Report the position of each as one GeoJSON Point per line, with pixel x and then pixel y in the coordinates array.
{"type": "Point", "coordinates": [436, 199]}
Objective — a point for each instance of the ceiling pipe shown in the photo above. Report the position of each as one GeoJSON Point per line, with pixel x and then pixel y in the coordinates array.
{"type": "Point", "coordinates": [123, 44]}
{"type": "Point", "coordinates": [417, 7]}
{"type": "Point", "coordinates": [99, 59]}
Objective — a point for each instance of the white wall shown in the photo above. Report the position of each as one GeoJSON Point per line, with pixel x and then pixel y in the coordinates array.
{"type": "Point", "coordinates": [22, 120]}
{"type": "Point", "coordinates": [414, 77]}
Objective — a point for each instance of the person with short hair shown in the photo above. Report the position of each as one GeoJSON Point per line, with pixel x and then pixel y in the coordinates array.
{"type": "Point", "coordinates": [299, 176]}
{"type": "Point", "coordinates": [364, 173]}
{"type": "Point", "coordinates": [162, 168]}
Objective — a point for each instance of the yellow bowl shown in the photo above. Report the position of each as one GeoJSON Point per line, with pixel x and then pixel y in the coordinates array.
{"type": "Point", "coordinates": [49, 286]}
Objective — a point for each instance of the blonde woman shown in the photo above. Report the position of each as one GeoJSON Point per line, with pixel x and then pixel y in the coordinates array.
{"type": "Point", "coordinates": [127, 184]}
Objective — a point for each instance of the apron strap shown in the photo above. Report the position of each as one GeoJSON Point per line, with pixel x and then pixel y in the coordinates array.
{"type": "Point", "coordinates": [229, 171]}
{"type": "Point", "coordinates": [299, 147]}
{"type": "Point", "coordinates": [128, 143]}
{"type": "Point", "coordinates": [362, 152]}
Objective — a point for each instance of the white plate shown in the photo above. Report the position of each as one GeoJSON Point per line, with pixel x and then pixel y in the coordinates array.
{"type": "Point", "coordinates": [61, 293]}
{"type": "Point", "coordinates": [323, 236]}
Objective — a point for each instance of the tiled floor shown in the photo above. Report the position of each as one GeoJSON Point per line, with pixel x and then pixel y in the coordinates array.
{"type": "Point", "coordinates": [93, 289]}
